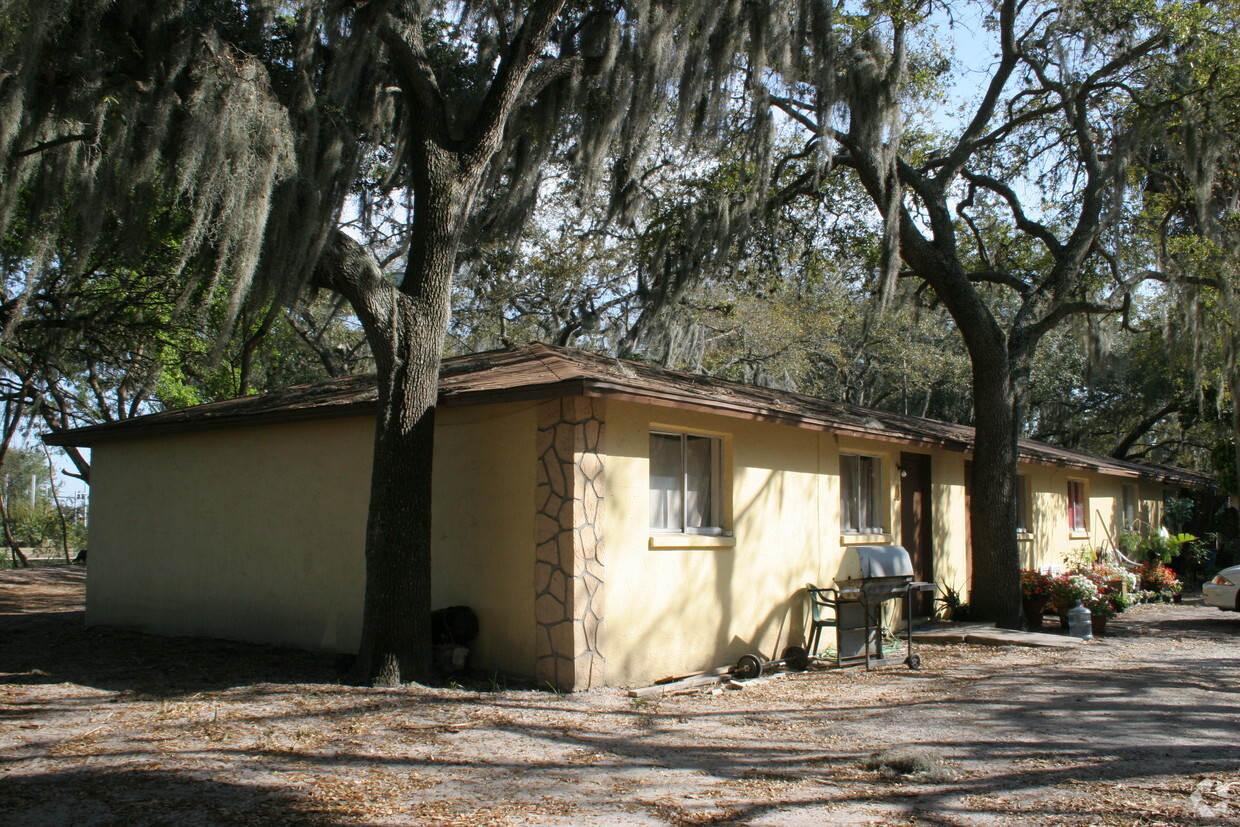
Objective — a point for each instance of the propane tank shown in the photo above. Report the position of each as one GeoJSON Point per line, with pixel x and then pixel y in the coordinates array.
{"type": "Point", "coordinates": [1080, 622]}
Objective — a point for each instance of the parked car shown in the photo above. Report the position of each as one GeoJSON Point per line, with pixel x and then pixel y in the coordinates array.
{"type": "Point", "coordinates": [1224, 590]}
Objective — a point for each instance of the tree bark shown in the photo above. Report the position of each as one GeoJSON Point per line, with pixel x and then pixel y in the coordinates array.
{"type": "Point", "coordinates": [406, 338]}
{"type": "Point", "coordinates": [405, 327]}
{"type": "Point", "coordinates": [995, 590]}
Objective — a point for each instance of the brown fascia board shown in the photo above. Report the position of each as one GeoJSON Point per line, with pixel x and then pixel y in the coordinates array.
{"type": "Point", "coordinates": [135, 428]}
{"type": "Point", "coordinates": [624, 393]}
{"type": "Point", "coordinates": [741, 411]}
{"type": "Point", "coordinates": [1119, 468]}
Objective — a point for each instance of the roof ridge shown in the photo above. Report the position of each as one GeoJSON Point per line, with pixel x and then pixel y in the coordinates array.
{"type": "Point", "coordinates": [542, 351]}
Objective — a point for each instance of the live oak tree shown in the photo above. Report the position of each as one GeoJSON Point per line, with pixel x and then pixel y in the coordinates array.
{"type": "Point", "coordinates": [1043, 157]}
{"type": "Point", "coordinates": [1190, 167]}
{"type": "Point", "coordinates": [484, 91]}
{"type": "Point", "coordinates": [262, 119]}
{"type": "Point", "coordinates": [1010, 217]}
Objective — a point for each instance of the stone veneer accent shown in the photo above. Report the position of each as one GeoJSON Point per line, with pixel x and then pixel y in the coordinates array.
{"type": "Point", "coordinates": [568, 571]}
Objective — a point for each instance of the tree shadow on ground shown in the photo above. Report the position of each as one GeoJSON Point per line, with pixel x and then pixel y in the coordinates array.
{"type": "Point", "coordinates": [135, 796]}
{"type": "Point", "coordinates": [1022, 732]}
{"type": "Point", "coordinates": [1194, 626]}
{"type": "Point", "coordinates": [57, 647]}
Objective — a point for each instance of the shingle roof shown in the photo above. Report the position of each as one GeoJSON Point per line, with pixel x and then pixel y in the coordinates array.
{"type": "Point", "coordinates": [541, 371]}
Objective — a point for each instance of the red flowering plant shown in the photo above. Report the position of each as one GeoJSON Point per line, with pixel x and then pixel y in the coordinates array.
{"type": "Point", "coordinates": [1114, 578]}
{"type": "Point", "coordinates": [1069, 589]}
{"type": "Point", "coordinates": [1035, 586]}
{"type": "Point", "coordinates": [1158, 578]}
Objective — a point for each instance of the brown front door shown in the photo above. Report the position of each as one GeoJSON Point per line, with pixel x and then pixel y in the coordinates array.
{"type": "Point", "coordinates": [917, 522]}
{"type": "Point", "coordinates": [968, 526]}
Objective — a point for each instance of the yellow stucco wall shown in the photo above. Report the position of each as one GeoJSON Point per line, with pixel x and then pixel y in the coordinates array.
{"type": "Point", "coordinates": [249, 534]}
{"type": "Point", "coordinates": [483, 526]}
{"type": "Point", "coordinates": [257, 533]}
{"type": "Point", "coordinates": [1052, 543]}
{"type": "Point", "coordinates": [680, 603]}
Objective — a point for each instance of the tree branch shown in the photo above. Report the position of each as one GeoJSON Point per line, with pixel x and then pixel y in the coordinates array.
{"type": "Point", "coordinates": [417, 80]}
{"type": "Point", "coordinates": [89, 135]}
{"type": "Point", "coordinates": [348, 269]}
{"type": "Point", "coordinates": [548, 73]}
{"type": "Point", "coordinates": [506, 90]}
{"type": "Point", "coordinates": [1124, 446]}
{"type": "Point", "coordinates": [1023, 222]}
{"type": "Point", "coordinates": [964, 148]}
{"type": "Point", "coordinates": [1060, 312]}
{"type": "Point", "coordinates": [1001, 277]}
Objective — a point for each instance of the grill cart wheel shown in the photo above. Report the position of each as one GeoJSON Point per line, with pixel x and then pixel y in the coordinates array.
{"type": "Point", "coordinates": [796, 658]}
{"type": "Point", "coordinates": [747, 668]}
{"type": "Point", "coordinates": [913, 661]}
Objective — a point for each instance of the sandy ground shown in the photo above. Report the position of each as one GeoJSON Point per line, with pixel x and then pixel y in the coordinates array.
{"type": "Point", "coordinates": [104, 726]}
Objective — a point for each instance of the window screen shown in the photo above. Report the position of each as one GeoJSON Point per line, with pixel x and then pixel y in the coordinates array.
{"type": "Point", "coordinates": [685, 483]}
{"type": "Point", "coordinates": [859, 493]}
{"type": "Point", "coordinates": [1077, 517]}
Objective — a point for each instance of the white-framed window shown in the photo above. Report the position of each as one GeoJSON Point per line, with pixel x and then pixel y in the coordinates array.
{"type": "Point", "coordinates": [1078, 506]}
{"type": "Point", "coordinates": [861, 494]}
{"type": "Point", "coordinates": [1023, 520]}
{"type": "Point", "coordinates": [1129, 506]}
{"type": "Point", "coordinates": [686, 483]}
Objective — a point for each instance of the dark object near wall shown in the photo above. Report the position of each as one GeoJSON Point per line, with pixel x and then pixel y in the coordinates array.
{"type": "Point", "coordinates": [81, 557]}
{"type": "Point", "coordinates": [456, 625]}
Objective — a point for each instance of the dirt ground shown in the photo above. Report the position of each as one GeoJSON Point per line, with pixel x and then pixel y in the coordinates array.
{"type": "Point", "coordinates": [101, 726]}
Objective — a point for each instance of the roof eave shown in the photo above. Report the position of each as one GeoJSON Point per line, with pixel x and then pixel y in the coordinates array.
{"type": "Point", "coordinates": [116, 431]}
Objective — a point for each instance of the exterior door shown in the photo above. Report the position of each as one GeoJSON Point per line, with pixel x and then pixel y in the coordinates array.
{"type": "Point", "coordinates": [917, 522]}
{"type": "Point", "coordinates": [968, 527]}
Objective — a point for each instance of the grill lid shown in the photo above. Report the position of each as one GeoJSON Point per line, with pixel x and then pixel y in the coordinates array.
{"type": "Point", "coordinates": [869, 562]}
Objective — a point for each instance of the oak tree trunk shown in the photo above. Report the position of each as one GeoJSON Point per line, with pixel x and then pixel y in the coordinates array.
{"type": "Point", "coordinates": [995, 590]}
{"type": "Point", "coordinates": [405, 327]}
{"type": "Point", "coordinates": [997, 382]}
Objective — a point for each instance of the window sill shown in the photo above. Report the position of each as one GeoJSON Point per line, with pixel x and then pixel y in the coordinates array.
{"type": "Point", "coordinates": [865, 539]}
{"type": "Point", "coordinates": [1078, 535]}
{"type": "Point", "coordinates": [1024, 536]}
{"type": "Point", "coordinates": [692, 541]}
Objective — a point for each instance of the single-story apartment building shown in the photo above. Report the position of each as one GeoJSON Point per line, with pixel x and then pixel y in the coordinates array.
{"type": "Point", "coordinates": [610, 522]}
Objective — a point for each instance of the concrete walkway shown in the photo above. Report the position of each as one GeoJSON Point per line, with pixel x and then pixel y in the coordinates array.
{"type": "Point", "coordinates": [986, 634]}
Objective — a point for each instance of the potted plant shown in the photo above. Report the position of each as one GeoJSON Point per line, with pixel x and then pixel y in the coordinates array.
{"type": "Point", "coordinates": [1106, 607]}
{"type": "Point", "coordinates": [1035, 591]}
{"type": "Point", "coordinates": [1101, 609]}
{"type": "Point", "coordinates": [1159, 579]}
{"type": "Point", "coordinates": [1067, 590]}
{"type": "Point", "coordinates": [1176, 590]}
{"type": "Point", "coordinates": [954, 606]}
{"type": "Point", "coordinates": [1113, 578]}
{"type": "Point", "coordinates": [1160, 547]}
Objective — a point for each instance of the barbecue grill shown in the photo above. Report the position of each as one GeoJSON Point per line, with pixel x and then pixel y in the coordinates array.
{"type": "Point", "coordinates": [869, 577]}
